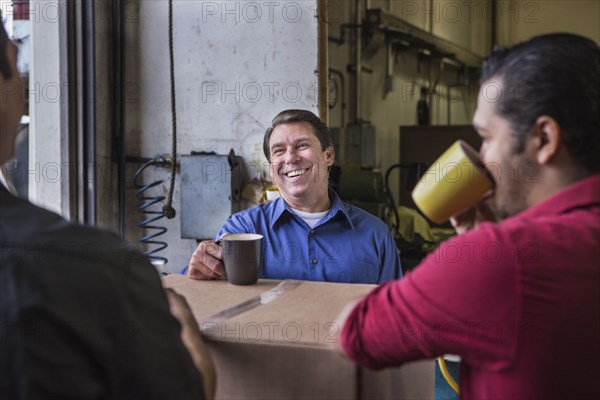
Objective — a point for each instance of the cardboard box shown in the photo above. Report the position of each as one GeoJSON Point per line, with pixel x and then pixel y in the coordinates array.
{"type": "Point", "coordinates": [272, 341]}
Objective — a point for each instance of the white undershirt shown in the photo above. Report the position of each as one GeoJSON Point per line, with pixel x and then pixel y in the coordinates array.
{"type": "Point", "coordinates": [310, 218]}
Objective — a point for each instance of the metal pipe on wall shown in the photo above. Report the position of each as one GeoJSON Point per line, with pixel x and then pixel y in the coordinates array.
{"type": "Point", "coordinates": [323, 57]}
{"type": "Point", "coordinates": [431, 14]}
{"type": "Point", "coordinates": [86, 110]}
{"type": "Point", "coordinates": [358, 60]}
{"type": "Point", "coordinates": [118, 10]}
{"type": "Point", "coordinates": [90, 113]}
{"type": "Point", "coordinates": [494, 24]}
{"type": "Point", "coordinates": [72, 115]}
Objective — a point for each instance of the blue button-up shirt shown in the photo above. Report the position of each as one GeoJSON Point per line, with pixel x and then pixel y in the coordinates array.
{"type": "Point", "coordinates": [347, 245]}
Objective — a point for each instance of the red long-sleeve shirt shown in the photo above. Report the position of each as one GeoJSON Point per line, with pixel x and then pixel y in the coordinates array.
{"type": "Point", "coordinates": [519, 301]}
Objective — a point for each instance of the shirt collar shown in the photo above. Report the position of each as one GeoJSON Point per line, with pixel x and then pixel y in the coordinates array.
{"type": "Point", "coordinates": [338, 207]}
{"type": "Point", "coordinates": [583, 193]}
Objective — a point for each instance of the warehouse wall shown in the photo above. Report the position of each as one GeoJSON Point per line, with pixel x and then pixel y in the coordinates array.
{"type": "Point", "coordinates": [238, 64]}
{"type": "Point", "coordinates": [466, 26]}
{"type": "Point", "coordinates": [521, 20]}
{"type": "Point", "coordinates": [466, 23]}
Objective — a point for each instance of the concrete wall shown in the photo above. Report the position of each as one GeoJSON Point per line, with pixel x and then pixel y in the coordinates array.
{"type": "Point", "coordinates": [520, 20]}
{"type": "Point", "coordinates": [238, 64]}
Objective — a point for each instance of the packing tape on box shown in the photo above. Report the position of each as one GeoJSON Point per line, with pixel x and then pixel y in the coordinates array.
{"type": "Point", "coordinates": [265, 298]}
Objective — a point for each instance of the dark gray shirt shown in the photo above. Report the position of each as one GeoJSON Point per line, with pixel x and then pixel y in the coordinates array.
{"type": "Point", "coordinates": [83, 315]}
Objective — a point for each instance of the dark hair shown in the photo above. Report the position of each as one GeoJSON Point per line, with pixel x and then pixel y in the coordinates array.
{"type": "Point", "coordinates": [5, 69]}
{"type": "Point", "coordinates": [290, 116]}
{"type": "Point", "coordinates": [557, 75]}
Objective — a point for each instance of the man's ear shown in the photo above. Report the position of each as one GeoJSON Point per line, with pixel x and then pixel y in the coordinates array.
{"type": "Point", "coordinates": [547, 136]}
{"type": "Point", "coordinates": [329, 156]}
{"type": "Point", "coordinates": [271, 170]}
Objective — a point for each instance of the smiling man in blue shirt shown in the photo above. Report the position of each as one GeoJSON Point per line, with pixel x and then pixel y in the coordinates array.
{"type": "Point", "coordinates": [309, 233]}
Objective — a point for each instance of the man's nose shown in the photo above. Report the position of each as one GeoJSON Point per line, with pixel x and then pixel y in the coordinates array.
{"type": "Point", "coordinates": [290, 156]}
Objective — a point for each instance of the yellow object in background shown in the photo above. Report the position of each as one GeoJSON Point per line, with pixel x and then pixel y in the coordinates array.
{"type": "Point", "coordinates": [272, 193]}
{"type": "Point", "coordinates": [411, 223]}
{"type": "Point", "coordinates": [454, 182]}
{"type": "Point", "coordinates": [446, 374]}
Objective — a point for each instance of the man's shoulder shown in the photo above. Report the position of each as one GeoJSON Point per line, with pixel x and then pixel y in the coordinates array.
{"type": "Point", "coordinates": [264, 209]}
{"type": "Point", "coordinates": [30, 232]}
{"type": "Point", "coordinates": [571, 225]}
{"type": "Point", "coordinates": [360, 217]}
{"type": "Point", "coordinates": [47, 227]}
{"type": "Point", "coordinates": [501, 236]}
{"type": "Point", "coordinates": [251, 219]}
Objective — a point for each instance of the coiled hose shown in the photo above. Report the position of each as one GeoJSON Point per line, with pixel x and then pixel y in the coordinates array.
{"type": "Point", "coordinates": [153, 215]}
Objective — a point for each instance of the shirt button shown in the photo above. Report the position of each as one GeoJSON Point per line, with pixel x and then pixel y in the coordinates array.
{"type": "Point", "coordinates": [312, 231]}
{"type": "Point", "coordinates": [314, 261]}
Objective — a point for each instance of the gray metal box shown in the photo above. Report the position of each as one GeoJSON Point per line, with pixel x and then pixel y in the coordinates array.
{"type": "Point", "coordinates": [360, 145]}
{"type": "Point", "coordinates": [210, 193]}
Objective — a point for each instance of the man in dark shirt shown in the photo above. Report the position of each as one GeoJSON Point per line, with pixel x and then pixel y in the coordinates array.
{"type": "Point", "coordinates": [81, 314]}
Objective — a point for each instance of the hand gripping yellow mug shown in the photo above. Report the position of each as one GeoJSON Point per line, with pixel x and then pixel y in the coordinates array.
{"type": "Point", "coordinates": [454, 183]}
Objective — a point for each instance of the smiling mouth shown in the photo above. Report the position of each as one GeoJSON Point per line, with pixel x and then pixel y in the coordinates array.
{"type": "Point", "coordinates": [295, 173]}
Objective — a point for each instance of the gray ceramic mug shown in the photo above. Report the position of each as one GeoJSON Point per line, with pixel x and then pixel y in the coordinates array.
{"type": "Point", "coordinates": [242, 257]}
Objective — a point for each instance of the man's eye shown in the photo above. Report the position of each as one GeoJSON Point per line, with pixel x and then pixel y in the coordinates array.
{"type": "Point", "coordinates": [277, 151]}
{"type": "Point", "coordinates": [303, 145]}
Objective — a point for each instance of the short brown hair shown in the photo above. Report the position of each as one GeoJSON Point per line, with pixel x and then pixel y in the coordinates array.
{"type": "Point", "coordinates": [290, 116]}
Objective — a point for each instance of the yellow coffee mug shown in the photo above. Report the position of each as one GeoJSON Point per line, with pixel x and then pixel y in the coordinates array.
{"type": "Point", "coordinates": [454, 183]}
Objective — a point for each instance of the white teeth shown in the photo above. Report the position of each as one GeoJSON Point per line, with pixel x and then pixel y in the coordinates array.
{"type": "Point", "coordinates": [296, 173]}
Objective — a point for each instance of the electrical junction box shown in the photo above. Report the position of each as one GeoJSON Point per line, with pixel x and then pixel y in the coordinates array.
{"type": "Point", "coordinates": [211, 187]}
{"type": "Point", "coordinates": [360, 145]}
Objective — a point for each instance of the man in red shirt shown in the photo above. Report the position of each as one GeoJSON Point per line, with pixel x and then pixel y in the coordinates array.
{"type": "Point", "coordinates": [518, 300]}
